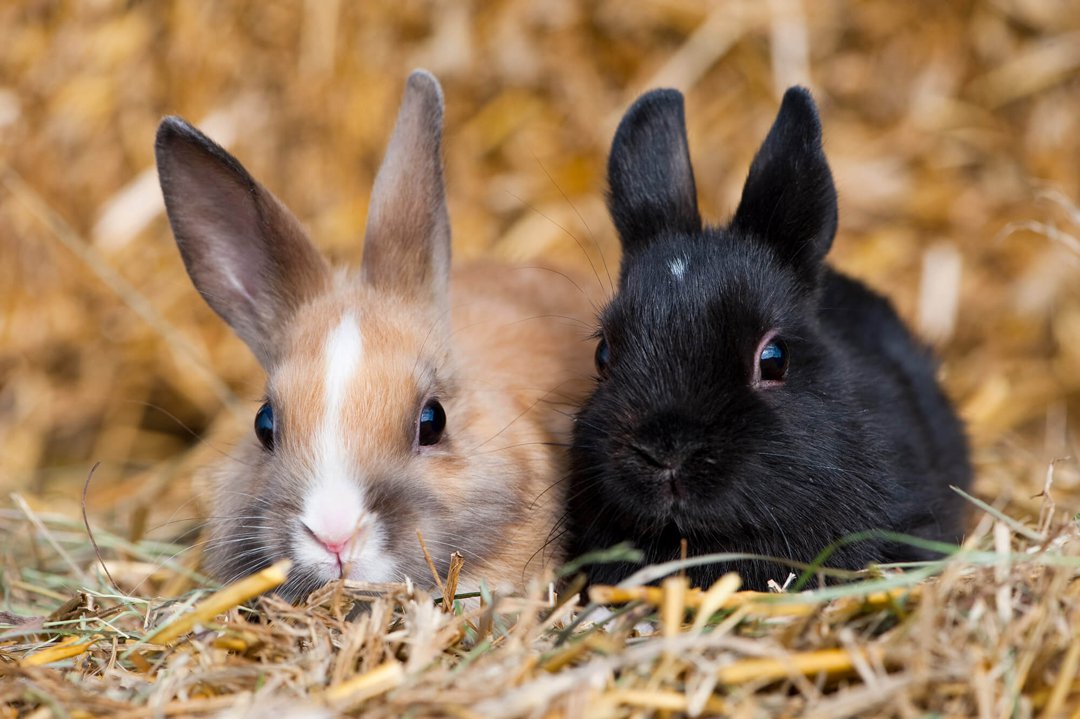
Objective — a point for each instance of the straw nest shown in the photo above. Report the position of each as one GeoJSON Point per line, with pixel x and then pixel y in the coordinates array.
{"type": "Point", "coordinates": [954, 133]}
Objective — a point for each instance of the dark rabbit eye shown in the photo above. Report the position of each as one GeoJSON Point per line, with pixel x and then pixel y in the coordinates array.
{"type": "Point", "coordinates": [603, 357]}
{"type": "Point", "coordinates": [264, 426]}
{"type": "Point", "coordinates": [432, 423]}
{"type": "Point", "coordinates": [773, 361]}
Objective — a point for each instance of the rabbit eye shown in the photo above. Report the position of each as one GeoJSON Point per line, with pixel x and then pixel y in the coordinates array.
{"type": "Point", "coordinates": [772, 361]}
{"type": "Point", "coordinates": [264, 426]}
{"type": "Point", "coordinates": [603, 357]}
{"type": "Point", "coordinates": [432, 423]}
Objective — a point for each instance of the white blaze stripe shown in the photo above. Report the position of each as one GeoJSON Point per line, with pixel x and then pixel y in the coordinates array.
{"type": "Point", "coordinates": [341, 357]}
{"type": "Point", "coordinates": [333, 505]}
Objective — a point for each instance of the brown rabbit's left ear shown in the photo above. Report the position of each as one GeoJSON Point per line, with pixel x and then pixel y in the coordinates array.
{"type": "Point", "coordinates": [407, 243]}
{"type": "Point", "coordinates": [247, 255]}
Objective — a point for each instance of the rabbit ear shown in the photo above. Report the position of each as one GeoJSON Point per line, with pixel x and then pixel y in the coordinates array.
{"type": "Point", "coordinates": [650, 180]}
{"type": "Point", "coordinates": [407, 243]}
{"type": "Point", "coordinates": [247, 255]}
{"type": "Point", "coordinates": [789, 200]}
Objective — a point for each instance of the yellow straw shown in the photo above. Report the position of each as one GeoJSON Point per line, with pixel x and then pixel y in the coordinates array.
{"type": "Point", "coordinates": [223, 600]}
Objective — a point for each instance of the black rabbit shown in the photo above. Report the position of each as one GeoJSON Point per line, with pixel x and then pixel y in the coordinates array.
{"type": "Point", "coordinates": [750, 398]}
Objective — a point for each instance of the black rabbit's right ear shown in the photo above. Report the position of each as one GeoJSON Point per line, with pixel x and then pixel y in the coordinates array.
{"type": "Point", "coordinates": [650, 180]}
{"type": "Point", "coordinates": [789, 200]}
{"type": "Point", "coordinates": [247, 255]}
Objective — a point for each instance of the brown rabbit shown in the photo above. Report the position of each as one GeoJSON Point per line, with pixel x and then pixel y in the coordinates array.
{"type": "Point", "coordinates": [398, 398]}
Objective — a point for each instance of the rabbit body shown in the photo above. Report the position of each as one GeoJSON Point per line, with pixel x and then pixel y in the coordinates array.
{"type": "Point", "coordinates": [400, 398]}
{"type": "Point", "coordinates": [751, 399]}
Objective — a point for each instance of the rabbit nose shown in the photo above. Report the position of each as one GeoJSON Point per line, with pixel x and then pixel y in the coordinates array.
{"type": "Point", "coordinates": [334, 542]}
{"type": "Point", "coordinates": [667, 440]}
{"type": "Point", "coordinates": [334, 547]}
{"type": "Point", "coordinates": [670, 458]}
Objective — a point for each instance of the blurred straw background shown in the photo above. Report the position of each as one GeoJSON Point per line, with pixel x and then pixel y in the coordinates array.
{"type": "Point", "coordinates": [953, 130]}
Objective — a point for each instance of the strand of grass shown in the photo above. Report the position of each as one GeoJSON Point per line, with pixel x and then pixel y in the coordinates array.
{"type": "Point", "coordinates": [583, 643]}
{"type": "Point", "coordinates": [653, 572]}
{"type": "Point", "coordinates": [663, 700]}
{"type": "Point", "coordinates": [76, 627]}
{"type": "Point", "coordinates": [353, 692]}
{"type": "Point", "coordinates": [90, 532]}
{"type": "Point", "coordinates": [456, 597]}
{"type": "Point", "coordinates": [673, 605]}
{"type": "Point", "coordinates": [621, 552]}
{"type": "Point", "coordinates": [816, 567]}
{"type": "Point", "coordinates": [431, 564]}
{"type": "Point", "coordinates": [714, 599]}
{"type": "Point", "coordinates": [875, 593]}
{"type": "Point", "coordinates": [471, 656]}
{"type": "Point", "coordinates": [221, 601]}
{"type": "Point", "coordinates": [183, 707]}
{"type": "Point", "coordinates": [654, 596]}
{"type": "Point", "coordinates": [66, 649]}
{"type": "Point", "coordinates": [115, 630]}
{"type": "Point", "coordinates": [571, 629]}
{"type": "Point", "coordinates": [832, 662]}
{"type": "Point", "coordinates": [1013, 524]}
{"type": "Point", "coordinates": [449, 590]}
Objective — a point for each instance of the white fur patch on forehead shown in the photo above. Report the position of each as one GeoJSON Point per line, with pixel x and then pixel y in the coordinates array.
{"type": "Point", "coordinates": [341, 357]}
{"type": "Point", "coordinates": [678, 267]}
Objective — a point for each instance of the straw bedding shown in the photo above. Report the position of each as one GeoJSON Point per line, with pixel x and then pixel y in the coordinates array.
{"type": "Point", "coordinates": [953, 130]}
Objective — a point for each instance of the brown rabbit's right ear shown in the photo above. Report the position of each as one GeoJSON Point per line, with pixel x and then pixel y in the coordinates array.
{"type": "Point", "coordinates": [247, 255]}
{"type": "Point", "coordinates": [407, 243]}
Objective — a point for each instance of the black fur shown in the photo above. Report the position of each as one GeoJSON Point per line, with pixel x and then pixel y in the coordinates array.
{"type": "Point", "coordinates": [676, 441]}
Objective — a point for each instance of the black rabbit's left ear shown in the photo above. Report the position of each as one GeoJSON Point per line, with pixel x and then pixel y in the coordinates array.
{"type": "Point", "coordinates": [789, 200]}
{"type": "Point", "coordinates": [650, 181]}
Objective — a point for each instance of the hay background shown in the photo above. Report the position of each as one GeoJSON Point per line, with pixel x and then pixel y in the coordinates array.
{"type": "Point", "coordinates": [952, 128]}
{"type": "Point", "coordinates": [945, 122]}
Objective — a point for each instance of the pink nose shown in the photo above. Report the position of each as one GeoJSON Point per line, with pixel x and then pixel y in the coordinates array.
{"type": "Point", "coordinates": [334, 547]}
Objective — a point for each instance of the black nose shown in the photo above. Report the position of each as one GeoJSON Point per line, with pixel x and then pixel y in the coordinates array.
{"type": "Point", "coordinates": [666, 441]}
{"type": "Point", "coordinates": [671, 458]}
